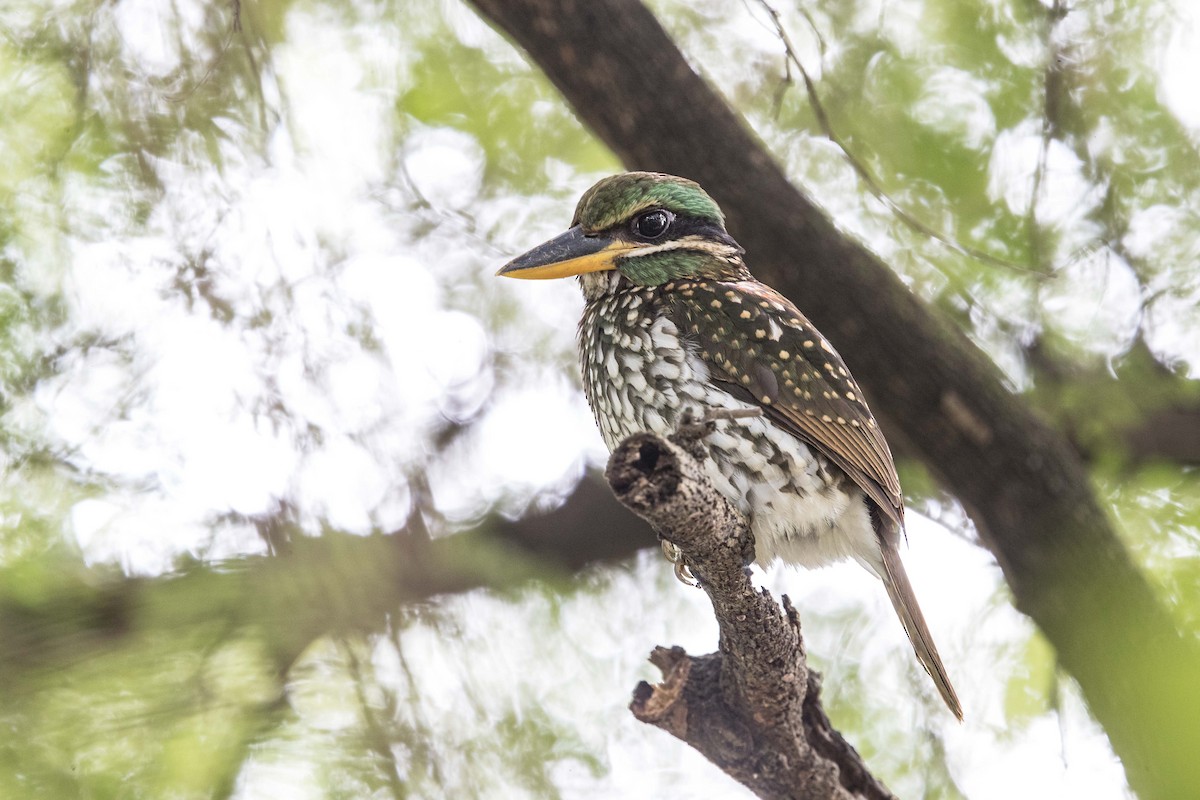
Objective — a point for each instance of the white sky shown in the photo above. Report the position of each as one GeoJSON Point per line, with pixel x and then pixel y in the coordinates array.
{"type": "Point", "coordinates": [190, 432]}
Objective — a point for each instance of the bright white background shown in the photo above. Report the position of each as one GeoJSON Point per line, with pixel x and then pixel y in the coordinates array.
{"type": "Point", "coordinates": [335, 226]}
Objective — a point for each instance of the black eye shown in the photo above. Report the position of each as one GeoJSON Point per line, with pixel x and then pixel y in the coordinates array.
{"type": "Point", "coordinates": [652, 224]}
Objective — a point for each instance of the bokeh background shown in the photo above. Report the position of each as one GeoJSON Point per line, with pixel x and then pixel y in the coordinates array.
{"type": "Point", "coordinates": [247, 303]}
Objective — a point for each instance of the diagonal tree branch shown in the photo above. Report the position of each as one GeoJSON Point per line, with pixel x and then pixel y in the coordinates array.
{"type": "Point", "coordinates": [1023, 483]}
{"type": "Point", "coordinates": [335, 583]}
{"type": "Point", "coordinates": [753, 708]}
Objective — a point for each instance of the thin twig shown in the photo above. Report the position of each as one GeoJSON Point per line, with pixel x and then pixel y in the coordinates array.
{"type": "Point", "coordinates": [865, 175]}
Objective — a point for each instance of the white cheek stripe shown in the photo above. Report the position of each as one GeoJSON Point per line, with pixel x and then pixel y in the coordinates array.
{"type": "Point", "coordinates": [719, 249]}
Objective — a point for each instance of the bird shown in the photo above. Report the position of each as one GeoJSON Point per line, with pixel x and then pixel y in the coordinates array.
{"type": "Point", "coordinates": [675, 327]}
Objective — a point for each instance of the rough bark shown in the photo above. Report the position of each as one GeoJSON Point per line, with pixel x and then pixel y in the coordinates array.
{"type": "Point", "coordinates": [753, 708]}
{"type": "Point", "coordinates": [1022, 482]}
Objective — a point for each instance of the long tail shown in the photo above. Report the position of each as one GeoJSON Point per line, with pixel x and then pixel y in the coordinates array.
{"type": "Point", "coordinates": [905, 603]}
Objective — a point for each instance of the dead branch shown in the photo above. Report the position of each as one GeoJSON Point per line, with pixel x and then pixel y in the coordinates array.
{"type": "Point", "coordinates": [753, 708]}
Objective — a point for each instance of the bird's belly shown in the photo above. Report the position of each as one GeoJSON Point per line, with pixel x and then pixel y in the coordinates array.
{"type": "Point", "coordinates": [802, 509]}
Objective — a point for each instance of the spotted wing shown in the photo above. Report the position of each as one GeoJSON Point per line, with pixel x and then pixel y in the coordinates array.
{"type": "Point", "coordinates": [754, 339]}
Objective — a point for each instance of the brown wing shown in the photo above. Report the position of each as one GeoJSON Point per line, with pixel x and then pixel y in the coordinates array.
{"type": "Point", "coordinates": [754, 339]}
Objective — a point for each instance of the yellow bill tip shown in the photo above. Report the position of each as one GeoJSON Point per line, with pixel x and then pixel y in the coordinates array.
{"type": "Point", "coordinates": [571, 253]}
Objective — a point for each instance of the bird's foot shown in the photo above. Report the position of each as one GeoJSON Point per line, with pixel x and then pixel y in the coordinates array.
{"type": "Point", "coordinates": [682, 571]}
{"type": "Point", "coordinates": [694, 425]}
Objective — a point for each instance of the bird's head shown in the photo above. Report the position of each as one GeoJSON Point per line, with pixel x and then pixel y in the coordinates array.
{"type": "Point", "coordinates": [645, 227]}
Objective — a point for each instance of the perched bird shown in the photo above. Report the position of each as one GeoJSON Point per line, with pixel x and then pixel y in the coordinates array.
{"type": "Point", "coordinates": [675, 326]}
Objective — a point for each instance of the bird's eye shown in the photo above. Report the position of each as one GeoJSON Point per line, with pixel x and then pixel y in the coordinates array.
{"type": "Point", "coordinates": [652, 224]}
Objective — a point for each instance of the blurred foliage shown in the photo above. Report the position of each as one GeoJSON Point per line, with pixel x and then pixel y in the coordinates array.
{"type": "Point", "coordinates": [514, 114]}
{"type": "Point", "coordinates": [246, 298]}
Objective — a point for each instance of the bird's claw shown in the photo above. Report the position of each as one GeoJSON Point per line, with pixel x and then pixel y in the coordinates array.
{"type": "Point", "coordinates": [694, 426]}
{"type": "Point", "coordinates": [682, 571]}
